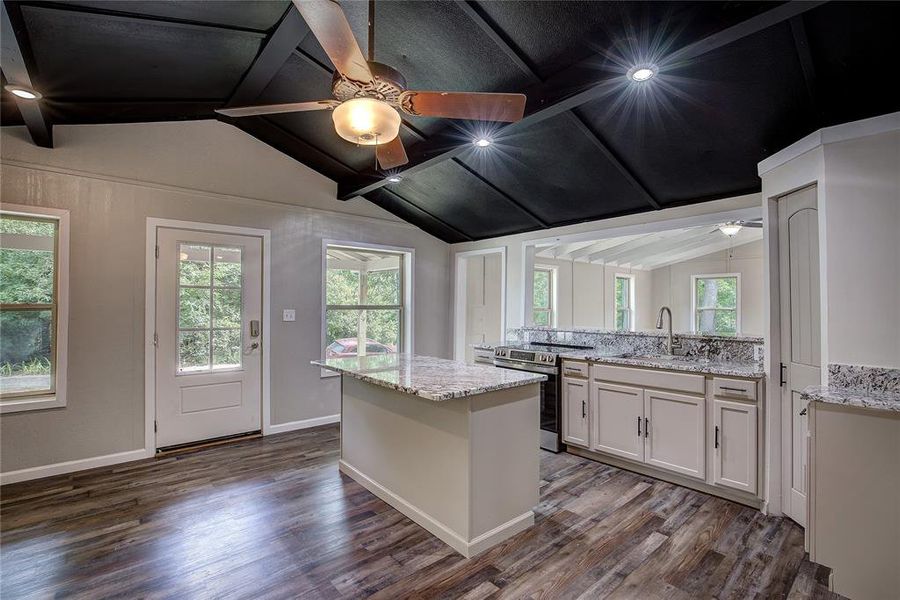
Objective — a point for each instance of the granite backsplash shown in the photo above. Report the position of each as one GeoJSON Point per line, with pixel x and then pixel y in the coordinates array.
{"type": "Point", "coordinates": [713, 347]}
{"type": "Point", "coordinates": [871, 380]}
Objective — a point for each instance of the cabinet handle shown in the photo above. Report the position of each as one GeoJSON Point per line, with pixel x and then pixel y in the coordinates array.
{"type": "Point", "coordinates": [639, 427]}
{"type": "Point", "coordinates": [583, 409]}
{"type": "Point", "coordinates": [717, 436]}
{"type": "Point", "coordinates": [731, 389]}
{"type": "Point", "coordinates": [646, 427]}
{"type": "Point", "coordinates": [803, 413]}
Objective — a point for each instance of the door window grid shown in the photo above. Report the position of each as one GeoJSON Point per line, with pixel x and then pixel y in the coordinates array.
{"type": "Point", "coordinates": [210, 308]}
{"type": "Point", "coordinates": [28, 305]}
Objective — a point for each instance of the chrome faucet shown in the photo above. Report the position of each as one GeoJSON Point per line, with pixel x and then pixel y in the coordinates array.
{"type": "Point", "coordinates": [670, 344]}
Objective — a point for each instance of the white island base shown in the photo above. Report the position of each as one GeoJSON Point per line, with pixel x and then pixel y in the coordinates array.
{"type": "Point", "coordinates": [465, 469]}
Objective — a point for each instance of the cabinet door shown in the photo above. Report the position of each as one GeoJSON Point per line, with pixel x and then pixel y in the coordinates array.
{"type": "Point", "coordinates": [617, 420]}
{"type": "Point", "coordinates": [674, 432]}
{"type": "Point", "coordinates": [575, 411]}
{"type": "Point", "coordinates": [734, 445]}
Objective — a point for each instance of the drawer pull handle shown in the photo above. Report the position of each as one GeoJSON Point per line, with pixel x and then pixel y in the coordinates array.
{"type": "Point", "coordinates": [733, 389]}
{"type": "Point", "coordinates": [639, 427]}
{"type": "Point", "coordinates": [583, 409]}
{"type": "Point", "coordinates": [717, 436]}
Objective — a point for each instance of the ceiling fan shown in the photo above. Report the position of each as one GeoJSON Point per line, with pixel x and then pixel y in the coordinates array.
{"type": "Point", "coordinates": [732, 228]}
{"type": "Point", "coordinates": [368, 94]}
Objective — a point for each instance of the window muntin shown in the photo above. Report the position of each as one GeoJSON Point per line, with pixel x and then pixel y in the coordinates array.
{"type": "Point", "coordinates": [543, 293]}
{"type": "Point", "coordinates": [716, 301]}
{"type": "Point", "coordinates": [210, 308]}
{"type": "Point", "coordinates": [624, 303]}
{"type": "Point", "coordinates": [29, 305]}
{"type": "Point", "coordinates": [364, 301]}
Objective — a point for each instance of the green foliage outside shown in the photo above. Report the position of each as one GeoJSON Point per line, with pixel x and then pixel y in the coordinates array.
{"type": "Point", "coordinates": [26, 277]}
{"type": "Point", "coordinates": [622, 303]}
{"type": "Point", "coordinates": [343, 288]}
{"type": "Point", "coordinates": [541, 292]}
{"type": "Point", "coordinates": [716, 305]}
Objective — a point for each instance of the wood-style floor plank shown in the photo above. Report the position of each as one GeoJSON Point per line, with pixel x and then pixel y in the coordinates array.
{"type": "Point", "coordinates": [273, 518]}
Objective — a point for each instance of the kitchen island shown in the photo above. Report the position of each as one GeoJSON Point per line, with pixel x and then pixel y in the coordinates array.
{"type": "Point", "coordinates": [454, 447]}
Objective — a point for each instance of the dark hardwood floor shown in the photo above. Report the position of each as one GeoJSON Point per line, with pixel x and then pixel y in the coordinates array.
{"type": "Point", "coordinates": [273, 518]}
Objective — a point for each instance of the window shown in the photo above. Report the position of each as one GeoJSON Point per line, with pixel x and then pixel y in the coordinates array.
{"type": "Point", "coordinates": [33, 311]}
{"type": "Point", "coordinates": [624, 303]}
{"type": "Point", "coordinates": [544, 293]}
{"type": "Point", "coordinates": [366, 306]}
{"type": "Point", "coordinates": [716, 303]}
{"type": "Point", "coordinates": [209, 308]}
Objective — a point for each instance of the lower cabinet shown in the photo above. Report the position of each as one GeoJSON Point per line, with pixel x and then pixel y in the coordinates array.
{"type": "Point", "coordinates": [575, 400]}
{"type": "Point", "coordinates": [734, 438]}
{"type": "Point", "coordinates": [618, 420]}
{"type": "Point", "coordinates": [675, 432]}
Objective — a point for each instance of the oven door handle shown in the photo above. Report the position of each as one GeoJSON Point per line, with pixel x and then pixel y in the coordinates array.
{"type": "Point", "coordinates": [524, 366]}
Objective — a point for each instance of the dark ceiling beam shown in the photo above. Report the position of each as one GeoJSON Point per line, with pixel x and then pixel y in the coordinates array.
{"type": "Point", "coordinates": [276, 50]}
{"type": "Point", "coordinates": [801, 43]}
{"type": "Point", "coordinates": [554, 97]}
{"type": "Point", "coordinates": [137, 17]}
{"type": "Point", "coordinates": [418, 209]}
{"type": "Point", "coordinates": [15, 70]}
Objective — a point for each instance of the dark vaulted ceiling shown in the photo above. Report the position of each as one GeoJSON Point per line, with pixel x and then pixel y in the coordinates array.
{"type": "Point", "coordinates": [737, 81]}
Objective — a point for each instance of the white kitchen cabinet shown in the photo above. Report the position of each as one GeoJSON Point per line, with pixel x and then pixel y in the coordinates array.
{"type": "Point", "coordinates": [674, 428]}
{"type": "Point", "coordinates": [575, 398]}
{"type": "Point", "coordinates": [734, 445]}
{"type": "Point", "coordinates": [617, 420]}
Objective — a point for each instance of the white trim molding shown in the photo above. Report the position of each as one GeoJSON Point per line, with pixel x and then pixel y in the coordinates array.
{"type": "Point", "coordinates": [737, 299]}
{"type": "Point", "coordinates": [58, 398]}
{"type": "Point", "coordinates": [303, 424]}
{"type": "Point", "coordinates": [71, 466]}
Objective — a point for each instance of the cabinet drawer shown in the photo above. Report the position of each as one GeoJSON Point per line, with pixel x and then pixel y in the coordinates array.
{"type": "Point", "coordinates": [741, 389]}
{"type": "Point", "coordinates": [682, 382]}
{"type": "Point", "coordinates": [575, 369]}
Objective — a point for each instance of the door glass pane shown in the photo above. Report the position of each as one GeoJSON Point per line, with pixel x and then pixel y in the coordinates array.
{"type": "Point", "coordinates": [193, 350]}
{"type": "Point", "coordinates": [26, 346]}
{"type": "Point", "coordinates": [226, 348]}
{"type": "Point", "coordinates": [227, 308]}
{"type": "Point", "coordinates": [193, 264]}
{"type": "Point", "coordinates": [227, 271]}
{"type": "Point", "coordinates": [193, 308]}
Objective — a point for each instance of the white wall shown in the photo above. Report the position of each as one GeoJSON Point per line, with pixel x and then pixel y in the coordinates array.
{"type": "Point", "coordinates": [111, 178]}
{"type": "Point", "coordinates": [483, 301]}
{"type": "Point", "coordinates": [520, 250]}
{"type": "Point", "coordinates": [672, 285]}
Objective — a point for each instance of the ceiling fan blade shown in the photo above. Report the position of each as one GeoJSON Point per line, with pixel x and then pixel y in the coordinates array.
{"type": "Point", "coordinates": [757, 224]}
{"type": "Point", "coordinates": [507, 108]}
{"type": "Point", "coordinates": [271, 109]}
{"type": "Point", "coordinates": [327, 21]}
{"type": "Point", "coordinates": [391, 154]}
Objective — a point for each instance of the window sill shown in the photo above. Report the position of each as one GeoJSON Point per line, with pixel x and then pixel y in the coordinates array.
{"type": "Point", "coordinates": [326, 374]}
{"type": "Point", "coordinates": [31, 403]}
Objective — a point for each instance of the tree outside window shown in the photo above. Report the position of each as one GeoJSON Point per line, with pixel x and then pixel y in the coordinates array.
{"type": "Point", "coordinates": [716, 304]}
{"type": "Point", "coordinates": [624, 303]}
{"type": "Point", "coordinates": [543, 297]}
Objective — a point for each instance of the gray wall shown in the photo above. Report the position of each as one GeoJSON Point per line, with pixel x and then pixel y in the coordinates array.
{"type": "Point", "coordinates": [113, 177]}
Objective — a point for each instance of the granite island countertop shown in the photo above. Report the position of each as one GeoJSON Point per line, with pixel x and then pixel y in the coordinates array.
{"type": "Point", "coordinates": [428, 377]}
{"type": "Point", "coordinates": [830, 394]}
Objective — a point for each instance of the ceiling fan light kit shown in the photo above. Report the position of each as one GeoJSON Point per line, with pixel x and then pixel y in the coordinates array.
{"type": "Point", "coordinates": [369, 95]}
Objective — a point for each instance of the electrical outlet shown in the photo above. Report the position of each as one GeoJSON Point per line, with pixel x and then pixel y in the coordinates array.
{"type": "Point", "coordinates": [289, 314]}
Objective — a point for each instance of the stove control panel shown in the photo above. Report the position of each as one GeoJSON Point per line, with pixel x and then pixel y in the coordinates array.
{"type": "Point", "coordinates": [532, 356]}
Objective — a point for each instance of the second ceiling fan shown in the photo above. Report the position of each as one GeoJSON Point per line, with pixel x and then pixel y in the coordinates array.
{"type": "Point", "coordinates": [368, 94]}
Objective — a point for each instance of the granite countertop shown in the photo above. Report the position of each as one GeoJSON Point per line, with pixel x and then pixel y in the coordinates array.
{"type": "Point", "coordinates": [687, 364]}
{"type": "Point", "coordinates": [429, 377]}
{"type": "Point", "coordinates": [859, 398]}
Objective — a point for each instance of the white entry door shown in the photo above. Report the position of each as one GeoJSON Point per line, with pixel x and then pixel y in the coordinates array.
{"type": "Point", "coordinates": [798, 228]}
{"type": "Point", "coordinates": [208, 328]}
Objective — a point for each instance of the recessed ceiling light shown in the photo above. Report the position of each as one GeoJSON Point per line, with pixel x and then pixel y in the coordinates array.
{"type": "Point", "coordinates": [23, 92]}
{"type": "Point", "coordinates": [482, 142]}
{"type": "Point", "coordinates": [731, 229]}
{"type": "Point", "coordinates": [395, 179]}
{"type": "Point", "coordinates": [641, 73]}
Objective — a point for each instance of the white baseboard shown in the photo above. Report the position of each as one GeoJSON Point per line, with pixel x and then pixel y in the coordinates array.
{"type": "Point", "coordinates": [304, 424]}
{"type": "Point", "coordinates": [436, 528]}
{"type": "Point", "coordinates": [71, 466]}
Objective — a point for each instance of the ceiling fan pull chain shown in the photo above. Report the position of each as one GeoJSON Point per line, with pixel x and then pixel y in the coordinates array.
{"type": "Point", "coordinates": [371, 30]}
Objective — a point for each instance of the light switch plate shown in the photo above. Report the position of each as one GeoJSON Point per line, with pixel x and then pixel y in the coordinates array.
{"type": "Point", "coordinates": [289, 314]}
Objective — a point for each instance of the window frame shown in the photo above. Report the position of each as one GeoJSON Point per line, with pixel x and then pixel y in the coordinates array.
{"type": "Point", "coordinates": [405, 307]}
{"type": "Point", "coordinates": [551, 309]}
{"type": "Point", "coordinates": [695, 325]}
{"type": "Point", "coordinates": [631, 299]}
{"type": "Point", "coordinates": [57, 397]}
